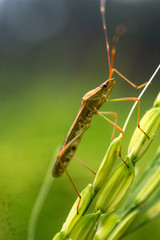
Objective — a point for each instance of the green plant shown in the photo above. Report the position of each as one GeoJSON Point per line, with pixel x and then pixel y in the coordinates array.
{"type": "Point", "coordinates": [103, 223]}
{"type": "Point", "coordinates": [142, 206]}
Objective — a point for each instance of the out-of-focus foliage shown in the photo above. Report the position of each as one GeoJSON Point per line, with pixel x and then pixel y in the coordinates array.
{"type": "Point", "coordinates": [41, 86]}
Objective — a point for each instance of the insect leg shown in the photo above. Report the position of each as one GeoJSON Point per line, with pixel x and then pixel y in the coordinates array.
{"type": "Point", "coordinates": [132, 84]}
{"type": "Point", "coordinates": [62, 152]}
{"type": "Point", "coordinates": [85, 165]}
{"type": "Point", "coordinates": [119, 129]}
{"type": "Point", "coordinates": [131, 99]}
{"type": "Point", "coordinates": [103, 10]}
{"type": "Point", "coordinates": [115, 115]}
{"type": "Point", "coordinates": [71, 183]}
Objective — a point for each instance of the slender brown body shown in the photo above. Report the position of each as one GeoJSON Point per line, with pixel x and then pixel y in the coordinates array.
{"type": "Point", "coordinates": [91, 102]}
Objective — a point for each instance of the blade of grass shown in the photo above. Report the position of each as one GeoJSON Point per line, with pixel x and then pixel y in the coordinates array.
{"type": "Point", "coordinates": [41, 197]}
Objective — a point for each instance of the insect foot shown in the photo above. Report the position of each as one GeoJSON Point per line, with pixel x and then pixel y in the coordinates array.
{"type": "Point", "coordinates": [73, 217]}
{"type": "Point", "coordinates": [150, 123]}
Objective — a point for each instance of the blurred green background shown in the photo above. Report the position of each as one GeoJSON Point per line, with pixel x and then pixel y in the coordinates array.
{"type": "Point", "coordinates": [51, 54]}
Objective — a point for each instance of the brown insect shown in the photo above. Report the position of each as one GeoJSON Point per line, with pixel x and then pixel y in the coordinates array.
{"type": "Point", "coordinates": [91, 103]}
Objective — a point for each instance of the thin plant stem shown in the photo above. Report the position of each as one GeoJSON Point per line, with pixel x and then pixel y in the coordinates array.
{"type": "Point", "coordinates": [140, 95]}
{"type": "Point", "coordinates": [43, 192]}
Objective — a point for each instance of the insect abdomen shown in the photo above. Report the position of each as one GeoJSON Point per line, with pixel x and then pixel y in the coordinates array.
{"type": "Point", "coordinates": [58, 169]}
{"type": "Point", "coordinates": [79, 126]}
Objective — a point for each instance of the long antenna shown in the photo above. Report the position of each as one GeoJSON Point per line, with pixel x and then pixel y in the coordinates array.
{"type": "Point", "coordinates": [120, 30]}
{"type": "Point", "coordinates": [103, 10]}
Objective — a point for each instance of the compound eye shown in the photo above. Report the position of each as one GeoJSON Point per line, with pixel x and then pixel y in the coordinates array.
{"type": "Point", "coordinates": [104, 85]}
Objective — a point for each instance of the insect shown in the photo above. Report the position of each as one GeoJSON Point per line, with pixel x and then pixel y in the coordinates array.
{"type": "Point", "coordinates": [91, 103]}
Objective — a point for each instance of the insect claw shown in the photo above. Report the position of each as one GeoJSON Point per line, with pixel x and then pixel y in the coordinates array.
{"type": "Point", "coordinates": [147, 136]}
{"type": "Point", "coordinates": [123, 160]}
{"type": "Point", "coordinates": [78, 205]}
{"type": "Point", "coordinates": [143, 132]}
